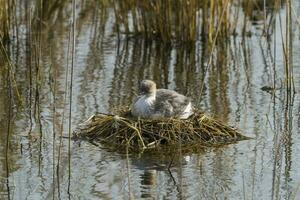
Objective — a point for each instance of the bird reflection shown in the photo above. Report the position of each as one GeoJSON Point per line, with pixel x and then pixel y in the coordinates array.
{"type": "Point", "coordinates": [148, 181]}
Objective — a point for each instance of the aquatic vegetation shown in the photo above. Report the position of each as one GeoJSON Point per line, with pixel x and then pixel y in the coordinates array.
{"type": "Point", "coordinates": [137, 134]}
{"type": "Point", "coordinates": [179, 21]}
{"type": "Point", "coordinates": [4, 20]}
{"type": "Point", "coordinates": [219, 52]}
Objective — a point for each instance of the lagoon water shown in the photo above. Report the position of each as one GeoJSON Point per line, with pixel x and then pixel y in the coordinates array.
{"type": "Point", "coordinates": [107, 71]}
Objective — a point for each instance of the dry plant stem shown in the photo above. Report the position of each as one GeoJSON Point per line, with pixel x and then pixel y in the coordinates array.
{"type": "Point", "coordinates": [63, 116]}
{"type": "Point", "coordinates": [288, 49]}
{"type": "Point", "coordinates": [38, 83]}
{"type": "Point", "coordinates": [8, 131]}
{"type": "Point", "coordinates": [54, 74]}
{"type": "Point", "coordinates": [139, 134]}
{"type": "Point", "coordinates": [212, 48]}
{"type": "Point", "coordinates": [169, 21]}
{"type": "Point", "coordinates": [30, 69]}
{"type": "Point", "coordinates": [274, 63]}
{"type": "Point", "coordinates": [71, 90]}
{"type": "Point", "coordinates": [10, 66]}
{"type": "Point", "coordinates": [128, 174]}
{"type": "Point", "coordinates": [4, 20]}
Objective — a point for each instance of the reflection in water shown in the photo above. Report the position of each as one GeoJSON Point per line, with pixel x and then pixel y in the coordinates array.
{"type": "Point", "coordinates": [148, 181]}
{"type": "Point", "coordinates": [108, 69]}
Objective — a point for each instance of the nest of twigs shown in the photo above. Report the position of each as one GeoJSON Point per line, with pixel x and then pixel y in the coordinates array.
{"type": "Point", "coordinates": [125, 131]}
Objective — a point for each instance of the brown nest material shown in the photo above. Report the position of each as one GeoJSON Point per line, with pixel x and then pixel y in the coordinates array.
{"type": "Point", "coordinates": [125, 131]}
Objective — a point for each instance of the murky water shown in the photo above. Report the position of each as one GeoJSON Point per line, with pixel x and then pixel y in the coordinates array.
{"type": "Point", "coordinates": [106, 74]}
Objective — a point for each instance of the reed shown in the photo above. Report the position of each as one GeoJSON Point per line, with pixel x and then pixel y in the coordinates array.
{"type": "Point", "coordinates": [4, 20]}
{"type": "Point", "coordinates": [71, 90]}
{"type": "Point", "coordinates": [169, 20]}
{"type": "Point", "coordinates": [166, 20]}
{"type": "Point", "coordinates": [125, 131]}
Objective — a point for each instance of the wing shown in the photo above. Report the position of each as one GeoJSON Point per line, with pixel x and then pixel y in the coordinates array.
{"type": "Point", "coordinates": [171, 102]}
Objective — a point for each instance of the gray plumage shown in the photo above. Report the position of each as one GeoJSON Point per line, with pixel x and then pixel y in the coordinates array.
{"type": "Point", "coordinates": [160, 103]}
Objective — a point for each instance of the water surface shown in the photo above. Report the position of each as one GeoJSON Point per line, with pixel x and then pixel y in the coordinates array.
{"type": "Point", "coordinates": [107, 71]}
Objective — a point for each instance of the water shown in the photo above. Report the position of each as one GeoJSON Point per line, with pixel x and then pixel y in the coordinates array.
{"type": "Point", "coordinates": [106, 75]}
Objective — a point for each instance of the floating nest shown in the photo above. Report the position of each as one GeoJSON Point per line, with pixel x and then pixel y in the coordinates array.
{"type": "Point", "coordinates": [123, 130]}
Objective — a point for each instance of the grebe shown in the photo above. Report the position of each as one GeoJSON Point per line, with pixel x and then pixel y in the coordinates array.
{"type": "Point", "coordinates": [155, 103]}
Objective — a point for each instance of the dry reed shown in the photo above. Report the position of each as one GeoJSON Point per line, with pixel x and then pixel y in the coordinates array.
{"type": "Point", "coordinates": [125, 131]}
{"type": "Point", "coordinates": [179, 21]}
{"type": "Point", "coordinates": [4, 20]}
